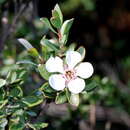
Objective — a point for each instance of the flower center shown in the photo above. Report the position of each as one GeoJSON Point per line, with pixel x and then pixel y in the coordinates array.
{"type": "Point", "coordinates": [69, 75]}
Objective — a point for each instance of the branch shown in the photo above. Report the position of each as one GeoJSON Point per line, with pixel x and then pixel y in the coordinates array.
{"type": "Point", "coordinates": [8, 29]}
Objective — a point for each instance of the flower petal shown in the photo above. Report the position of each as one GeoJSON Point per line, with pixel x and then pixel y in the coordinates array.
{"type": "Point", "coordinates": [55, 64]}
{"type": "Point", "coordinates": [57, 82]}
{"type": "Point", "coordinates": [84, 70]}
{"type": "Point", "coordinates": [76, 86]}
{"type": "Point", "coordinates": [73, 58]}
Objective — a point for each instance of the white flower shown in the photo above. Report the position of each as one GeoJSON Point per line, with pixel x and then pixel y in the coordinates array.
{"type": "Point", "coordinates": [71, 74]}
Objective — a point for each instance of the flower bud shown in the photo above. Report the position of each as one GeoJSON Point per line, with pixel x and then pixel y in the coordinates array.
{"type": "Point", "coordinates": [74, 99]}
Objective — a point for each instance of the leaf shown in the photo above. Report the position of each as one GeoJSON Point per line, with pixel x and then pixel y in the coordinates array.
{"type": "Point", "coordinates": [91, 86]}
{"type": "Point", "coordinates": [64, 31]}
{"type": "Point", "coordinates": [57, 8]}
{"type": "Point", "coordinates": [43, 72]}
{"type": "Point", "coordinates": [57, 17]}
{"type": "Point", "coordinates": [52, 46]}
{"type": "Point", "coordinates": [26, 62]}
{"type": "Point", "coordinates": [46, 88]}
{"type": "Point", "coordinates": [32, 101]}
{"type": "Point", "coordinates": [2, 94]}
{"type": "Point", "coordinates": [25, 43]}
{"type": "Point", "coordinates": [13, 77]}
{"type": "Point", "coordinates": [47, 23]}
{"type": "Point", "coordinates": [55, 20]}
{"type": "Point", "coordinates": [37, 126]}
{"type": "Point", "coordinates": [16, 126]}
{"type": "Point", "coordinates": [66, 26]}
{"type": "Point", "coordinates": [16, 92]}
{"type": "Point", "coordinates": [45, 52]}
{"type": "Point", "coordinates": [31, 50]}
{"type": "Point", "coordinates": [61, 98]}
{"type": "Point", "coordinates": [48, 91]}
{"type": "Point", "coordinates": [31, 113]}
{"type": "Point", "coordinates": [72, 47]}
{"type": "Point", "coordinates": [2, 82]}
{"type": "Point", "coordinates": [3, 103]}
{"type": "Point", "coordinates": [3, 123]}
{"type": "Point", "coordinates": [82, 51]}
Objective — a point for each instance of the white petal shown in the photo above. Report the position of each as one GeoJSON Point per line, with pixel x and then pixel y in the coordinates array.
{"type": "Point", "coordinates": [57, 82]}
{"type": "Point", "coordinates": [76, 86]}
{"type": "Point", "coordinates": [54, 65]}
{"type": "Point", "coordinates": [84, 70]}
{"type": "Point", "coordinates": [72, 58]}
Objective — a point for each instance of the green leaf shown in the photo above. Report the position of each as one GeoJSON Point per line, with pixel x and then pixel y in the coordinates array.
{"type": "Point", "coordinates": [16, 126]}
{"type": "Point", "coordinates": [91, 86]}
{"type": "Point", "coordinates": [57, 8]}
{"type": "Point", "coordinates": [43, 72]}
{"type": "Point", "coordinates": [61, 98]}
{"type": "Point", "coordinates": [45, 52]}
{"type": "Point", "coordinates": [2, 82]}
{"type": "Point", "coordinates": [31, 113]}
{"type": "Point", "coordinates": [13, 77]}
{"type": "Point", "coordinates": [72, 47]}
{"type": "Point", "coordinates": [57, 17]}
{"type": "Point", "coordinates": [82, 51]}
{"type": "Point", "coordinates": [32, 101]}
{"type": "Point", "coordinates": [64, 31]}
{"type": "Point", "coordinates": [26, 62]}
{"type": "Point", "coordinates": [47, 43]}
{"type": "Point", "coordinates": [16, 92]}
{"type": "Point", "coordinates": [2, 94]}
{"type": "Point", "coordinates": [3, 123]}
{"type": "Point", "coordinates": [31, 50]}
{"type": "Point", "coordinates": [46, 88]}
{"type": "Point", "coordinates": [47, 23]}
{"type": "Point", "coordinates": [66, 26]}
{"type": "Point", "coordinates": [3, 103]}
{"type": "Point", "coordinates": [55, 21]}
{"type": "Point", "coordinates": [48, 91]}
{"type": "Point", "coordinates": [2, 114]}
{"type": "Point", "coordinates": [37, 126]}
{"type": "Point", "coordinates": [18, 112]}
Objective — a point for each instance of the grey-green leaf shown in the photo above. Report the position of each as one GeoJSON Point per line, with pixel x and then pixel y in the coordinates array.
{"type": "Point", "coordinates": [52, 46]}
{"type": "Point", "coordinates": [57, 8]}
{"type": "Point", "coordinates": [47, 23]}
{"type": "Point", "coordinates": [2, 82]}
{"type": "Point", "coordinates": [26, 62]}
{"type": "Point", "coordinates": [66, 26]}
{"type": "Point", "coordinates": [61, 98]}
{"type": "Point", "coordinates": [25, 43]}
{"type": "Point", "coordinates": [57, 17]}
{"type": "Point", "coordinates": [82, 51]}
{"type": "Point", "coordinates": [43, 72]}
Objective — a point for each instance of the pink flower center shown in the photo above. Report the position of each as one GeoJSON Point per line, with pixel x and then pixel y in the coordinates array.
{"type": "Point", "coordinates": [69, 74]}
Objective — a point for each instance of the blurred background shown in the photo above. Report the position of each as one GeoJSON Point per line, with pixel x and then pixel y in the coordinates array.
{"type": "Point", "coordinates": [103, 28]}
